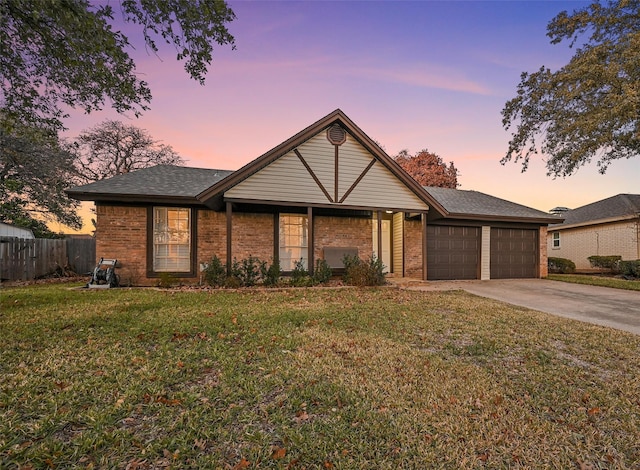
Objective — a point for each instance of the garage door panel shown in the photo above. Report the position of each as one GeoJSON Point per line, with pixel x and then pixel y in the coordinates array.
{"type": "Point", "coordinates": [452, 252]}
{"type": "Point", "coordinates": [514, 253]}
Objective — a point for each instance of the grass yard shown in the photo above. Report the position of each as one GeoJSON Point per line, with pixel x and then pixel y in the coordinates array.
{"type": "Point", "coordinates": [308, 378]}
{"type": "Point", "coordinates": [595, 280]}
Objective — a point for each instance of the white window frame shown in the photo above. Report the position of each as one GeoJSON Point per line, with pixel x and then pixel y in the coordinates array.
{"type": "Point", "coordinates": [293, 243]}
{"type": "Point", "coordinates": [172, 239]}
{"type": "Point", "coordinates": [555, 240]}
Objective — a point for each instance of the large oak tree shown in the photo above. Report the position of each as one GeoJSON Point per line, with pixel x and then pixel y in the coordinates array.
{"type": "Point", "coordinates": [56, 55]}
{"type": "Point", "coordinates": [590, 108]}
{"type": "Point", "coordinates": [71, 53]}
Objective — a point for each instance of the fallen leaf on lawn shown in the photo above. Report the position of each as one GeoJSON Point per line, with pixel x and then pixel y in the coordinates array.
{"type": "Point", "coordinates": [586, 465]}
{"type": "Point", "coordinates": [278, 453]}
{"type": "Point", "coordinates": [593, 411]}
{"type": "Point", "coordinates": [301, 416]}
{"type": "Point", "coordinates": [168, 402]}
{"type": "Point", "coordinates": [178, 336]}
{"type": "Point", "coordinates": [244, 463]}
{"type": "Point", "coordinates": [328, 464]}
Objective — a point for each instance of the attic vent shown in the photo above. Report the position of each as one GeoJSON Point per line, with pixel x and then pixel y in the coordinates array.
{"type": "Point", "coordinates": [336, 134]}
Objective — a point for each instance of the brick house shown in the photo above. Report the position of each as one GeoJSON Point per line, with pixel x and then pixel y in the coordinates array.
{"type": "Point", "coordinates": [326, 191]}
{"type": "Point", "coordinates": [607, 227]}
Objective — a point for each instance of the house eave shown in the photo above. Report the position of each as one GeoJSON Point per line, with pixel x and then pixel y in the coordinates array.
{"type": "Point", "coordinates": [134, 198]}
{"type": "Point", "coordinates": [325, 206]}
{"type": "Point", "coordinates": [502, 218]}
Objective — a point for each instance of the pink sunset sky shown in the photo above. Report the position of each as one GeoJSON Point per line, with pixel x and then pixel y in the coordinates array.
{"type": "Point", "coordinates": [412, 75]}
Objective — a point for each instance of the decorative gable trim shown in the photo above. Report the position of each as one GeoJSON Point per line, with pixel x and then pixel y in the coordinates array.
{"type": "Point", "coordinates": [337, 117]}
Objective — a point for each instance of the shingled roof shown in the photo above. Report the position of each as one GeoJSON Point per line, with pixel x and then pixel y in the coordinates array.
{"type": "Point", "coordinates": [167, 183]}
{"type": "Point", "coordinates": [619, 207]}
{"type": "Point", "coordinates": [155, 183]}
{"type": "Point", "coordinates": [463, 204]}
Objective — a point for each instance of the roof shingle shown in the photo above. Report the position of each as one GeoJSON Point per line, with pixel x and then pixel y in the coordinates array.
{"type": "Point", "coordinates": [474, 203]}
{"type": "Point", "coordinates": [619, 206]}
{"type": "Point", "coordinates": [160, 180]}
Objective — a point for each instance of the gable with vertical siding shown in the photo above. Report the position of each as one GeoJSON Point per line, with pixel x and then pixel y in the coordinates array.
{"type": "Point", "coordinates": [308, 174]}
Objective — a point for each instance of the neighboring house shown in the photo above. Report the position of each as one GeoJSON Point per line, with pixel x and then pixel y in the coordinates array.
{"type": "Point", "coordinates": [607, 227]}
{"type": "Point", "coordinates": [327, 191]}
{"type": "Point", "coordinates": [11, 231]}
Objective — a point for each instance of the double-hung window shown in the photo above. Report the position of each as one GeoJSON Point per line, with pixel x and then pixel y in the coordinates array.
{"type": "Point", "coordinates": [294, 242]}
{"type": "Point", "coordinates": [171, 239]}
{"type": "Point", "coordinates": [555, 237]}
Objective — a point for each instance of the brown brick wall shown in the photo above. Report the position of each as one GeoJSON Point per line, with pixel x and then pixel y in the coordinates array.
{"type": "Point", "coordinates": [121, 233]}
{"type": "Point", "coordinates": [212, 236]}
{"type": "Point", "coordinates": [252, 235]}
{"type": "Point", "coordinates": [413, 248]}
{"type": "Point", "coordinates": [343, 232]}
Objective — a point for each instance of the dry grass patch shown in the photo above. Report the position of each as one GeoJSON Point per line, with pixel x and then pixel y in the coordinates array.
{"type": "Point", "coordinates": [373, 378]}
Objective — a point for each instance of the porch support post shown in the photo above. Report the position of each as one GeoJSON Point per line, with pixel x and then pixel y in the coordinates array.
{"type": "Point", "coordinates": [276, 237]}
{"type": "Point", "coordinates": [379, 213]}
{"type": "Point", "coordinates": [310, 244]}
{"type": "Point", "coordinates": [229, 244]}
{"type": "Point", "coordinates": [424, 246]}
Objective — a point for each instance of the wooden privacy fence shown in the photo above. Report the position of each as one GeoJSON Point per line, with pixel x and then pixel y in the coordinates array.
{"type": "Point", "coordinates": [24, 259]}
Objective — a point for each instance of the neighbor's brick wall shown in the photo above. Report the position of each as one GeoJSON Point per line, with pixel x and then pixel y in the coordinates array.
{"type": "Point", "coordinates": [619, 238]}
{"type": "Point", "coordinates": [542, 240]}
{"type": "Point", "coordinates": [121, 233]}
{"type": "Point", "coordinates": [413, 248]}
{"type": "Point", "coordinates": [342, 232]}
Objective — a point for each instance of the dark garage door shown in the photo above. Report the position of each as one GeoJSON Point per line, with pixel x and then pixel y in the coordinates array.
{"type": "Point", "coordinates": [514, 253]}
{"type": "Point", "coordinates": [452, 252]}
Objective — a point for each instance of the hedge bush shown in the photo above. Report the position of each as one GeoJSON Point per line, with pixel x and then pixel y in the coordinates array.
{"type": "Point", "coordinates": [561, 266]}
{"type": "Point", "coordinates": [605, 262]}
{"type": "Point", "coordinates": [630, 268]}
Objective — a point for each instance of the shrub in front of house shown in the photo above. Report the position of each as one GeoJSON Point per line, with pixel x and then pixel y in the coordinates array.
{"type": "Point", "coordinates": [252, 271]}
{"type": "Point", "coordinates": [271, 275]}
{"type": "Point", "coordinates": [605, 262]}
{"type": "Point", "coordinates": [630, 268]}
{"type": "Point", "coordinates": [215, 273]}
{"type": "Point", "coordinates": [561, 266]}
{"type": "Point", "coordinates": [300, 276]}
{"type": "Point", "coordinates": [322, 272]}
{"type": "Point", "coordinates": [360, 272]}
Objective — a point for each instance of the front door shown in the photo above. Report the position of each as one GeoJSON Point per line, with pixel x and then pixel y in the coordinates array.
{"type": "Point", "coordinates": [386, 243]}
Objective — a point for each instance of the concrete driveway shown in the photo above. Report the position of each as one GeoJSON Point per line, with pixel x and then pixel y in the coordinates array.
{"type": "Point", "coordinates": [614, 308]}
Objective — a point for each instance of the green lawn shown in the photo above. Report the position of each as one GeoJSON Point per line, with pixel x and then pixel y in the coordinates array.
{"type": "Point", "coordinates": [308, 378]}
{"type": "Point", "coordinates": [595, 280]}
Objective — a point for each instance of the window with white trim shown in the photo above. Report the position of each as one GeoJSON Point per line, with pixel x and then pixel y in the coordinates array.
{"type": "Point", "coordinates": [171, 239]}
{"type": "Point", "coordinates": [294, 241]}
{"type": "Point", "coordinates": [555, 237]}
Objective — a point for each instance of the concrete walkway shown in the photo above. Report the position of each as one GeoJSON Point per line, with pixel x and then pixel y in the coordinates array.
{"type": "Point", "coordinates": [615, 308]}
